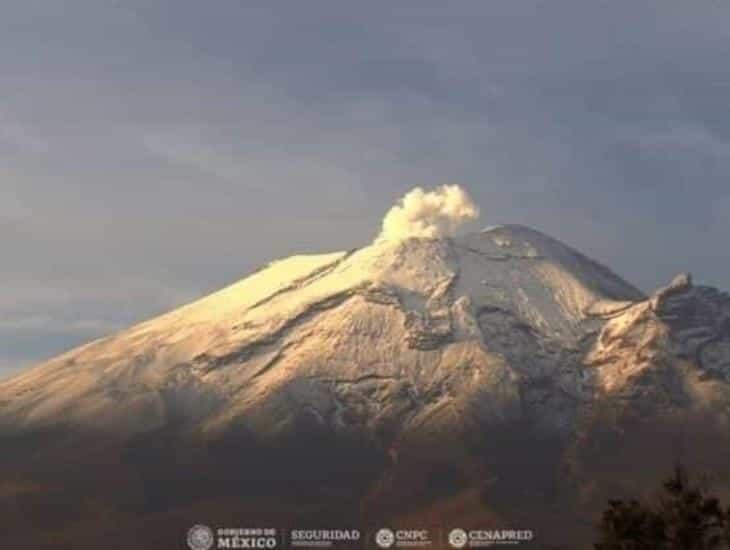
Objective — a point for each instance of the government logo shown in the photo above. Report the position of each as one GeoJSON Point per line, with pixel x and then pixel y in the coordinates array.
{"type": "Point", "coordinates": [458, 538]}
{"type": "Point", "coordinates": [385, 538]}
{"type": "Point", "coordinates": [200, 537]}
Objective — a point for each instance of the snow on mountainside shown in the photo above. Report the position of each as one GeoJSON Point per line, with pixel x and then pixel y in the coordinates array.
{"type": "Point", "coordinates": [410, 338]}
{"type": "Point", "coordinates": [499, 374]}
{"type": "Point", "coordinates": [400, 334]}
{"type": "Point", "coordinates": [425, 379]}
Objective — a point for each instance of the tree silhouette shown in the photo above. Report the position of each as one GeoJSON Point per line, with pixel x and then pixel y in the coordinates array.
{"type": "Point", "coordinates": [683, 517]}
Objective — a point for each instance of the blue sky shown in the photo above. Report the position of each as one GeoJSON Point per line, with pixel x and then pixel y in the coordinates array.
{"type": "Point", "coordinates": [152, 151]}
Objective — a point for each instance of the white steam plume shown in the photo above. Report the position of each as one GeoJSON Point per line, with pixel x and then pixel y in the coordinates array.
{"type": "Point", "coordinates": [430, 214]}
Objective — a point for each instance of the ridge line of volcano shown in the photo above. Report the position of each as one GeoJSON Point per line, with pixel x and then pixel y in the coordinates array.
{"type": "Point", "coordinates": [304, 281]}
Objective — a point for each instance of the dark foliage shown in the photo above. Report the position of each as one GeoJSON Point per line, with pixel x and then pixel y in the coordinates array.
{"type": "Point", "coordinates": [683, 517]}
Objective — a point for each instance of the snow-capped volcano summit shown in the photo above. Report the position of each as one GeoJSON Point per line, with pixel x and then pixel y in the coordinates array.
{"type": "Point", "coordinates": [423, 375]}
{"type": "Point", "coordinates": [310, 335]}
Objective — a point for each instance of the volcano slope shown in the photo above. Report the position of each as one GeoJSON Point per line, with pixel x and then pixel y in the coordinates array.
{"type": "Point", "coordinates": [495, 380]}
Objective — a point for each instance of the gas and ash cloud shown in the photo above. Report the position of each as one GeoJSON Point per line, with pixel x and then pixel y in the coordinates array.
{"type": "Point", "coordinates": [430, 214]}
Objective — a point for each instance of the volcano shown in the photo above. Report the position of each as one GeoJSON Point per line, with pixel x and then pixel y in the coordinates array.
{"type": "Point", "coordinates": [499, 379]}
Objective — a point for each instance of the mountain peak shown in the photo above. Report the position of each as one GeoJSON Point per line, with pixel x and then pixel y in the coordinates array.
{"type": "Point", "coordinates": [306, 315]}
